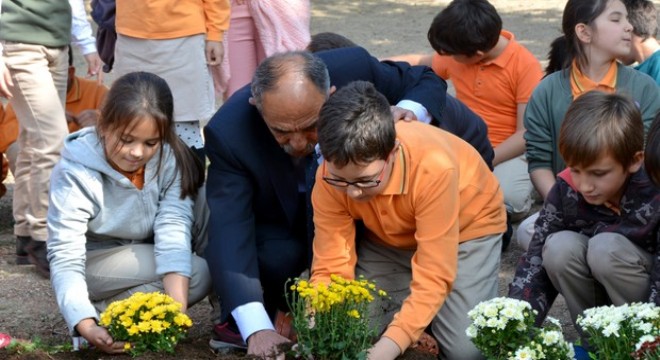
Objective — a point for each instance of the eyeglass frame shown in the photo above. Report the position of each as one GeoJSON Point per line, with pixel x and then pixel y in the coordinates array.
{"type": "Point", "coordinates": [358, 184]}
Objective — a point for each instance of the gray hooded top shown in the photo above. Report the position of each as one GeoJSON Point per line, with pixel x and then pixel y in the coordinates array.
{"type": "Point", "coordinates": [93, 206]}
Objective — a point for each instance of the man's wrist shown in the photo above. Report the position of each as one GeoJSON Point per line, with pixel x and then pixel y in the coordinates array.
{"type": "Point", "coordinates": [251, 318]}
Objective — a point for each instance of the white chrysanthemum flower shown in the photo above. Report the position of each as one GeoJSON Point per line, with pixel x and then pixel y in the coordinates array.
{"type": "Point", "coordinates": [491, 323]}
{"type": "Point", "coordinates": [551, 337]}
{"type": "Point", "coordinates": [490, 311]}
{"type": "Point", "coordinates": [508, 313]}
{"type": "Point", "coordinates": [524, 353]}
{"type": "Point", "coordinates": [471, 331]}
{"type": "Point", "coordinates": [553, 321]}
{"type": "Point", "coordinates": [480, 321]}
{"type": "Point", "coordinates": [571, 351]}
{"type": "Point", "coordinates": [644, 327]}
{"type": "Point", "coordinates": [521, 327]}
{"type": "Point", "coordinates": [501, 323]}
{"type": "Point", "coordinates": [644, 339]}
{"type": "Point", "coordinates": [611, 329]}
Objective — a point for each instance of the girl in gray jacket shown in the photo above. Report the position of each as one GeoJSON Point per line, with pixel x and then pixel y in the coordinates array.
{"type": "Point", "coordinates": [120, 218]}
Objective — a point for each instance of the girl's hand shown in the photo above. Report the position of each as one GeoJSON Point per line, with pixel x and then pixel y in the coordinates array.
{"type": "Point", "coordinates": [99, 337]}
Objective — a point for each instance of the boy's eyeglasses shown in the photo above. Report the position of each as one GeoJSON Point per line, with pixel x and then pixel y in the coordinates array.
{"type": "Point", "coordinates": [362, 184]}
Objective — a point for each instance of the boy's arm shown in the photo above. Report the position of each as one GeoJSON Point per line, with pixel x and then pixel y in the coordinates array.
{"type": "Point", "coordinates": [412, 59]}
{"type": "Point", "coordinates": [514, 145]}
{"type": "Point", "coordinates": [216, 13]}
{"type": "Point", "coordinates": [81, 35]}
{"type": "Point", "coordinates": [539, 138]}
{"type": "Point", "coordinates": [334, 234]}
{"type": "Point", "coordinates": [531, 282]}
{"type": "Point", "coordinates": [543, 180]}
{"type": "Point", "coordinates": [526, 77]}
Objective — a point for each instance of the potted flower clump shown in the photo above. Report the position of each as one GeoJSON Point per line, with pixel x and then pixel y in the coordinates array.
{"type": "Point", "coordinates": [332, 321]}
{"type": "Point", "coordinates": [503, 328]}
{"type": "Point", "coordinates": [146, 322]}
{"type": "Point", "coordinates": [622, 332]}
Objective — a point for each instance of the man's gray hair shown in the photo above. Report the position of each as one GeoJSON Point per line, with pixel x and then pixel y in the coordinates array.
{"type": "Point", "coordinates": [274, 67]}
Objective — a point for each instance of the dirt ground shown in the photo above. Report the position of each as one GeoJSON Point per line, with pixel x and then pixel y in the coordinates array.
{"type": "Point", "coordinates": [385, 27]}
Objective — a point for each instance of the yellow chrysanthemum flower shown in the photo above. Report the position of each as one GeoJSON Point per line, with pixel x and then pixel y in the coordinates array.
{"type": "Point", "coordinates": [144, 326]}
{"type": "Point", "coordinates": [129, 319]}
{"type": "Point", "coordinates": [156, 326]}
{"type": "Point", "coordinates": [133, 330]}
{"type": "Point", "coordinates": [146, 316]}
{"type": "Point", "coordinates": [354, 313]}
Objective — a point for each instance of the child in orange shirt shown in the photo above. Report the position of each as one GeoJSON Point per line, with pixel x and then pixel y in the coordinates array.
{"type": "Point", "coordinates": [494, 76]}
{"type": "Point", "coordinates": [433, 217]}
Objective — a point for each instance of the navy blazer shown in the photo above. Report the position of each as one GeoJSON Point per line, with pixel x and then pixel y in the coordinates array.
{"type": "Point", "coordinates": [252, 190]}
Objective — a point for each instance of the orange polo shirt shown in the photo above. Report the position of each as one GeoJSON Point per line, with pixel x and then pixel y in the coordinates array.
{"type": "Point", "coordinates": [440, 193]}
{"type": "Point", "coordinates": [170, 19]}
{"type": "Point", "coordinates": [83, 95]}
{"type": "Point", "coordinates": [493, 90]}
{"type": "Point", "coordinates": [581, 84]}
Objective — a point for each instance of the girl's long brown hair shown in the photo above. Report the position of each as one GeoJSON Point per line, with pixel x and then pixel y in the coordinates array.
{"type": "Point", "coordinates": [145, 95]}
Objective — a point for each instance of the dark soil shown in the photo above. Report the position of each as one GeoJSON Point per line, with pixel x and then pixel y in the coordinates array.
{"type": "Point", "coordinates": [187, 349]}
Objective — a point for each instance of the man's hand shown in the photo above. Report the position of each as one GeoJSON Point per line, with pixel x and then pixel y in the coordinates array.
{"type": "Point", "coordinates": [94, 65]}
{"type": "Point", "coordinates": [402, 114]}
{"type": "Point", "coordinates": [87, 118]}
{"type": "Point", "coordinates": [384, 349]}
{"type": "Point", "coordinates": [214, 52]}
{"type": "Point", "coordinates": [5, 80]}
{"type": "Point", "coordinates": [264, 344]}
{"type": "Point", "coordinates": [99, 337]}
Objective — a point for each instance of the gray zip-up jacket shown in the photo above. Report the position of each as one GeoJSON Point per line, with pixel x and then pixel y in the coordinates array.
{"type": "Point", "coordinates": [93, 206]}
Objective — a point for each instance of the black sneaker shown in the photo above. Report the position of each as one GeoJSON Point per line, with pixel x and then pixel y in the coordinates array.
{"type": "Point", "coordinates": [22, 243]}
{"type": "Point", "coordinates": [37, 252]}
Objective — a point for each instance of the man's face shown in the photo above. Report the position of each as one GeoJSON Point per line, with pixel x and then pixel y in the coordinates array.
{"type": "Point", "coordinates": [291, 111]}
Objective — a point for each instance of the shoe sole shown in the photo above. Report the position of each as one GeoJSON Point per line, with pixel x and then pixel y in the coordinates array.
{"type": "Point", "coordinates": [219, 345]}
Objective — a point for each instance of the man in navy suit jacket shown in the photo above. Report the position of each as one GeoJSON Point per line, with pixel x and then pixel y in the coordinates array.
{"type": "Point", "coordinates": [260, 145]}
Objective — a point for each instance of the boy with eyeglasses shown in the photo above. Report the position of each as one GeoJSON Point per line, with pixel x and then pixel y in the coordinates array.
{"type": "Point", "coordinates": [433, 218]}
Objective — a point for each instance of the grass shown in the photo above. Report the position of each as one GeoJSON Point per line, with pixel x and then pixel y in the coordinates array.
{"type": "Point", "coordinates": [19, 346]}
